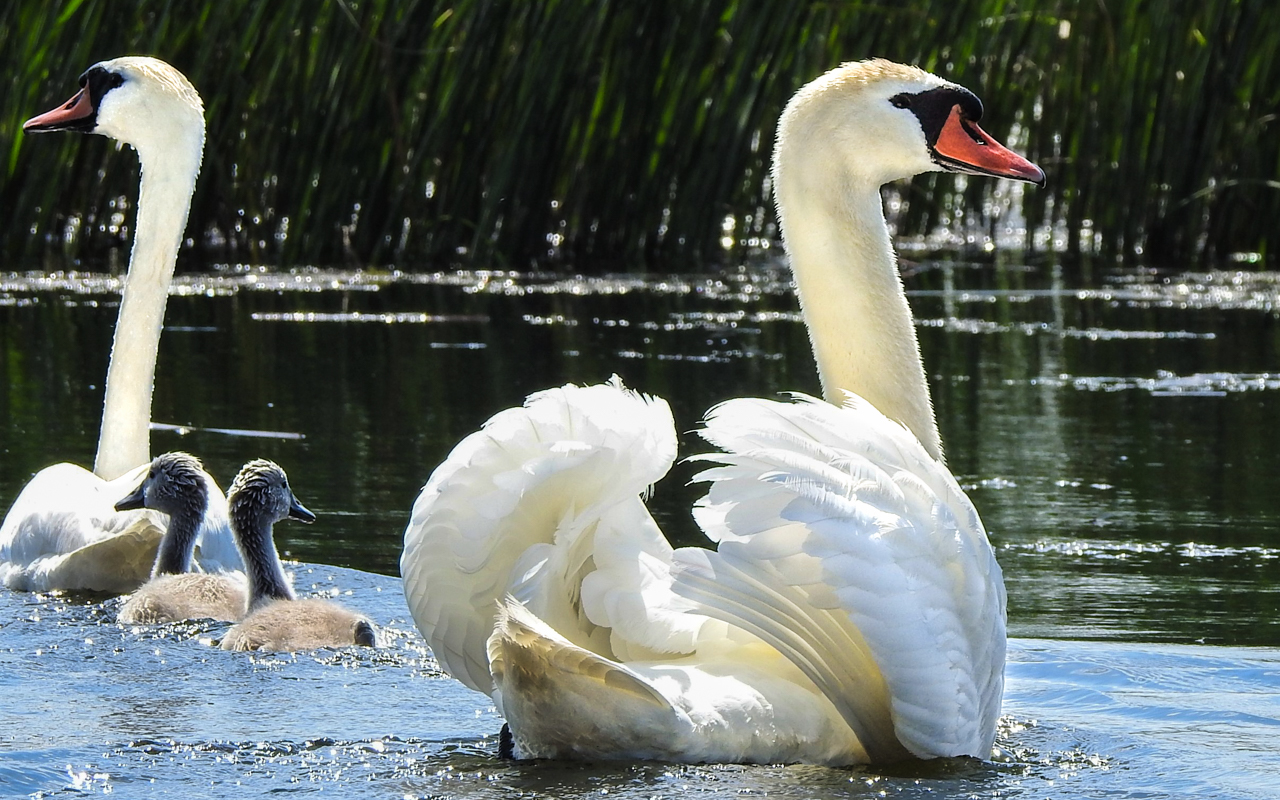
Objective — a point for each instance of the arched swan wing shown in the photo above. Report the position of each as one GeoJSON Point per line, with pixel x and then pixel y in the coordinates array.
{"type": "Point", "coordinates": [843, 544]}
{"type": "Point", "coordinates": [521, 507]}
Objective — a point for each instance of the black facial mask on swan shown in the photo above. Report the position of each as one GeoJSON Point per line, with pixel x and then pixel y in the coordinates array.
{"type": "Point", "coordinates": [80, 113]}
{"type": "Point", "coordinates": [949, 118]}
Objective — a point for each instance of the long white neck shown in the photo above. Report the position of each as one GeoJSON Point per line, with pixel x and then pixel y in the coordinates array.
{"type": "Point", "coordinates": [168, 181]}
{"type": "Point", "coordinates": [851, 295]}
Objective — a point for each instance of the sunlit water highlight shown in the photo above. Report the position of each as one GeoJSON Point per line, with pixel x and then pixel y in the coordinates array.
{"type": "Point", "coordinates": [96, 707]}
{"type": "Point", "coordinates": [1118, 440]}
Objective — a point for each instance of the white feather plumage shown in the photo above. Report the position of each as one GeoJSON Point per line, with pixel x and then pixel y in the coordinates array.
{"type": "Point", "coordinates": [62, 532]}
{"type": "Point", "coordinates": [853, 610]}
{"type": "Point", "coordinates": [867, 530]}
{"type": "Point", "coordinates": [851, 592]}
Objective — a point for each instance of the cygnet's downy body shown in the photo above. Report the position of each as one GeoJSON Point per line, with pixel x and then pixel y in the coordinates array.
{"type": "Point", "coordinates": [260, 497]}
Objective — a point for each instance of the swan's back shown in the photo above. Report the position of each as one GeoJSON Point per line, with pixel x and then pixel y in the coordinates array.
{"type": "Point", "coordinates": [63, 532]}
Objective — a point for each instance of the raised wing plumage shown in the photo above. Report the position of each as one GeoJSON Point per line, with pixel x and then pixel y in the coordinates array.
{"type": "Point", "coordinates": [852, 612]}
{"type": "Point", "coordinates": [877, 570]}
{"type": "Point", "coordinates": [519, 508]}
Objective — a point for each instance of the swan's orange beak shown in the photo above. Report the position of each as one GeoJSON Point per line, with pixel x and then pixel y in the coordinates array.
{"type": "Point", "coordinates": [964, 147]}
{"type": "Point", "coordinates": [71, 115]}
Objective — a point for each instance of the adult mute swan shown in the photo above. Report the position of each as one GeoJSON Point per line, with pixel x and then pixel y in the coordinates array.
{"type": "Point", "coordinates": [63, 531]}
{"type": "Point", "coordinates": [853, 610]}
{"type": "Point", "coordinates": [260, 497]}
{"type": "Point", "coordinates": [178, 486]}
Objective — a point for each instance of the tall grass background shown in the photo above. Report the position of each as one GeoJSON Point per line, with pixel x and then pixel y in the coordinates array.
{"type": "Point", "coordinates": [636, 135]}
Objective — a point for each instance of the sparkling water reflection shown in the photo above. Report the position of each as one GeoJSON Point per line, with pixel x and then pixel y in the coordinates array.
{"type": "Point", "coordinates": [1117, 439]}
{"type": "Point", "coordinates": [94, 707]}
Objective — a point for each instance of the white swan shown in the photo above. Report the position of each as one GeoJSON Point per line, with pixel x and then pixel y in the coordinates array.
{"type": "Point", "coordinates": [63, 532]}
{"type": "Point", "coordinates": [853, 610]}
{"type": "Point", "coordinates": [178, 486]}
{"type": "Point", "coordinates": [260, 497]}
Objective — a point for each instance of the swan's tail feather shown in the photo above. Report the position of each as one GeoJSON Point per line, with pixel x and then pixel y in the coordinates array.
{"type": "Point", "coordinates": [63, 509]}
{"type": "Point", "coordinates": [842, 512]}
{"type": "Point", "coordinates": [550, 690]}
{"type": "Point", "coordinates": [520, 506]}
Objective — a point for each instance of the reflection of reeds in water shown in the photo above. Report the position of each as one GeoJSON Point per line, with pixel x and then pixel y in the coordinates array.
{"type": "Point", "coordinates": [431, 132]}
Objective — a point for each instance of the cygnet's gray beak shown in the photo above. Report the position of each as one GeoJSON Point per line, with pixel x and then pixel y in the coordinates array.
{"type": "Point", "coordinates": [136, 500]}
{"type": "Point", "coordinates": [300, 512]}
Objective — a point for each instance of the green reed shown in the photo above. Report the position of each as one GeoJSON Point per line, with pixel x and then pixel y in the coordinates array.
{"type": "Point", "coordinates": [509, 132]}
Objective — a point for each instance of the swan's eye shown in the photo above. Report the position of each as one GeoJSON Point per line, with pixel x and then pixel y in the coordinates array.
{"type": "Point", "coordinates": [901, 100]}
{"type": "Point", "coordinates": [99, 81]}
{"type": "Point", "coordinates": [970, 106]}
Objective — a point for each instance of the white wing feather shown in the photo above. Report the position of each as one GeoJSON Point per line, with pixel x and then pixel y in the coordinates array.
{"type": "Point", "coordinates": [853, 611]}
{"type": "Point", "coordinates": [523, 506]}
{"type": "Point", "coordinates": [841, 540]}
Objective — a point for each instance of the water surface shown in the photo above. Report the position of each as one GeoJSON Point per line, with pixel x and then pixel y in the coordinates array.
{"type": "Point", "coordinates": [1117, 438]}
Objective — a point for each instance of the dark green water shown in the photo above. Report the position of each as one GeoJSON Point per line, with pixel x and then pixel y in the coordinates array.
{"type": "Point", "coordinates": [1117, 438]}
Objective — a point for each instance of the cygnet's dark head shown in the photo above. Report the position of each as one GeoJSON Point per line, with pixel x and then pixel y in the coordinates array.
{"type": "Point", "coordinates": [261, 494]}
{"type": "Point", "coordinates": [175, 484]}
{"type": "Point", "coordinates": [260, 497]}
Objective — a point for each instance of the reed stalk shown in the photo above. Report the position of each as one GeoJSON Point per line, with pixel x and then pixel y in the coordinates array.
{"type": "Point", "coordinates": [615, 135]}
